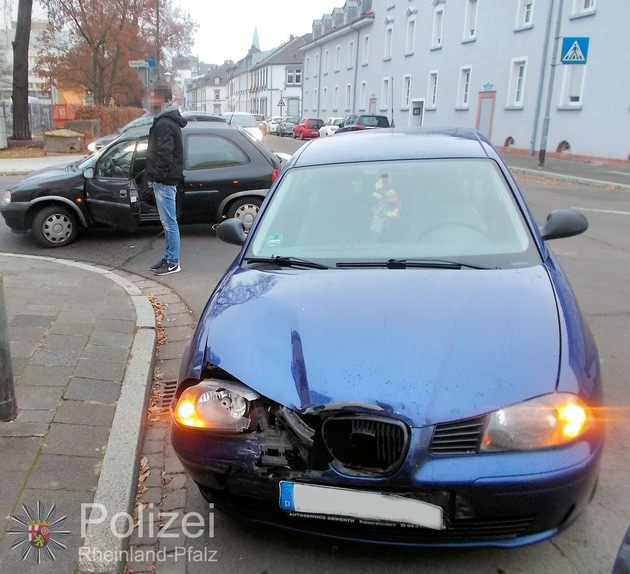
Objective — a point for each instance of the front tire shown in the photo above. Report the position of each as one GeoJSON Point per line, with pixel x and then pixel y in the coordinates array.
{"type": "Point", "coordinates": [55, 226]}
{"type": "Point", "coordinates": [245, 209]}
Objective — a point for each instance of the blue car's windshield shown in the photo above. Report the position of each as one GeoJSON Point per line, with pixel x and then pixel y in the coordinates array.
{"type": "Point", "coordinates": [448, 209]}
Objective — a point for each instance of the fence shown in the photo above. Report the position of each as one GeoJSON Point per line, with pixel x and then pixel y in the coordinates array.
{"type": "Point", "coordinates": [40, 116]}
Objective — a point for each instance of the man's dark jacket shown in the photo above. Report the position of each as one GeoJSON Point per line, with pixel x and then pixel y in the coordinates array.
{"type": "Point", "coordinates": [165, 151]}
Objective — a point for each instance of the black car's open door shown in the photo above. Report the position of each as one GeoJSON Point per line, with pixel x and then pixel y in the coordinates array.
{"type": "Point", "coordinates": [111, 192]}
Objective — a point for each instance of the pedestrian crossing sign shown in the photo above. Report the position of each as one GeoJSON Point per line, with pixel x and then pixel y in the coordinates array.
{"type": "Point", "coordinates": [574, 50]}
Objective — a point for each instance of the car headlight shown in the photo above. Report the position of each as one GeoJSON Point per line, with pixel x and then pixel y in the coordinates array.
{"type": "Point", "coordinates": [217, 405]}
{"type": "Point", "coordinates": [543, 422]}
{"type": "Point", "coordinates": [6, 197]}
{"type": "Point", "coordinates": [92, 147]}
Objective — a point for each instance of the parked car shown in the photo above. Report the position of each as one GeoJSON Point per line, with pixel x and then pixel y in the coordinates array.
{"type": "Point", "coordinates": [246, 121]}
{"type": "Point", "coordinates": [307, 128]}
{"type": "Point", "coordinates": [272, 124]}
{"type": "Point", "coordinates": [331, 125]}
{"type": "Point", "coordinates": [97, 144]}
{"type": "Point", "coordinates": [285, 127]}
{"type": "Point", "coordinates": [226, 174]}
{"type": "Point", "coordinates": [355, 122]}
{"type": "Point", "coordinates": [147, 119]}
{"type": "Point", "coordinates": [395, 355]}
{"type": "Point", "coordinates": [262, 123]}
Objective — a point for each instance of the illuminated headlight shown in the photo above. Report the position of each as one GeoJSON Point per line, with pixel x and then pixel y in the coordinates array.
{"type": "Point", "coordinates": [217, 405]}
{"type": "Point", "coordinates": [543, 422]}
{"type": "Point", "coordinates": [92, 147]}
{"type": "Point", "coordinates": [6, 197]}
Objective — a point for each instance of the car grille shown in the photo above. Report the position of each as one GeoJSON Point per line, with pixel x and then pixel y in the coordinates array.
{"type": "Point", "coordinates": [459, 437]}
{"type": "Point", "coordinates": [367, 443]}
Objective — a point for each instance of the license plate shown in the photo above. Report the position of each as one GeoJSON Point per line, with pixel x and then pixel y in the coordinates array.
{"type": "Point", "coordinates": [324, 501]}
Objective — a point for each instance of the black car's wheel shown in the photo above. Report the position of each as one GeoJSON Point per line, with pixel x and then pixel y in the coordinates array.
{"type": "Point", "coordinates": [55, 226]}
{"type": "Point", "coordinates": [244, 209]}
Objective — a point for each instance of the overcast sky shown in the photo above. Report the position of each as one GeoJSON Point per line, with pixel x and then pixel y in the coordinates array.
{"type": "Point", "coordinates": [226, 28]}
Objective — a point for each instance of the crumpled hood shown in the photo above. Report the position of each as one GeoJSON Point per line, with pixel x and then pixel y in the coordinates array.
{"type": "Point", "coordinates": [431, 345]}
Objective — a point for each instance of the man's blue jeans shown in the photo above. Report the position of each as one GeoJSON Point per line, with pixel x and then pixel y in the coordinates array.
{"type": "Point", "coordinates": [165, 201]}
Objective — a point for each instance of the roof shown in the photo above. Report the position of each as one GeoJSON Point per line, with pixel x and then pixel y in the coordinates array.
{"type": "Point", "coordinates": [383, 144]}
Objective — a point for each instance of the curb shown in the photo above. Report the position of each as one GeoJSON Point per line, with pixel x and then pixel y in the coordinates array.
{"type": "Point", "coordinates": [570, 178]}
{"type": "Point", "coordinates": [116, 489]}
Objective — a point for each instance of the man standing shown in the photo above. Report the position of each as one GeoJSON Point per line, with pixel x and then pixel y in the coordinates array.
{"type": "Point", "coordinates": [164, 171]}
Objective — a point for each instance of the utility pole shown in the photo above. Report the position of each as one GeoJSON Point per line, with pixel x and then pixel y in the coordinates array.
{"type": "Point", "coordinates": [554, 63]}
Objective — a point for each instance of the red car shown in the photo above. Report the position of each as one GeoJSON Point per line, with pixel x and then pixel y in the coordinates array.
{"type": "Point", "coordinates": [308, 128]}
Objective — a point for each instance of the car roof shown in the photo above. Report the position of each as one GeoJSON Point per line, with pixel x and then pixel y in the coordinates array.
{"type": "Point", "coordinates": [388, 144]}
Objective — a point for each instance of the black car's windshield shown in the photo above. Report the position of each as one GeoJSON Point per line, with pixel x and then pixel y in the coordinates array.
{"type": "Point", "coordinates": [459, 213]}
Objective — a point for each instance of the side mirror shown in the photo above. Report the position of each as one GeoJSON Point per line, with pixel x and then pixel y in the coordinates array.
{"type": "Point", "coordinates": [231, 231]}
{"type": "Point", "coordinates": [89, 173]}
{"type": "Point", "coordinates": [564, 223]}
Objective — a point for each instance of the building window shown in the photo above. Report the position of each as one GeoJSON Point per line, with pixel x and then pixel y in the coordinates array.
{"type": "Point", "coordinates": [463, 93]}
{"type": "Point", "coordinates": [433, 87]}
{"type": "Point", "coordinates": [216, 81]}
{"type": "Point", "coordinates": [525, 15]}
{"type": "Point", "coordinates": [305, 102]}
{"type": "Point", "coordinates": [350, 54]}
{"type": "Point", "coordinates": [316, 70]}
{"type": "Point", "coordinates": [583, 7]}
{"type": "Point", "coordinates": [385, 94]}
{"type": "Point", "coordinates": [307, 65]}
{"type": "Point", "coordinates": [389, 37]}
{"type": "Point", "coordinates": [217, 94]}
{"type": "Point", "coordinates": [411, 36]}
{"type": "Point", "coordinates": [517, 83]}
{"type": "Point", "coordinates": [326, 62]}
{"type": "Point", "coordinates": [324, 99]}
{"type": "Point", "coordinates": [363, 96]}
{"type": "Point", "coordinates": [348, 97]}
{"type": "Point", "coordinates": [337, 58]}
{"type": "Point", "coordinates": [470, 26]}
{"type": "Point", "coordinates": [391, 4]}
{"type": "Point", "coordinates": [573, 85]}
{"type": "Point", "coordinates": [335, 101]}
{"type": "Point", "coordinates": [438, 25]}
{"type": "Point", "coordinates": [294, 76]}
{"type": "Point", "coordinates": [406, 93]}
{"type": "Point", "coordinates": [365, 55]}
{"type": "Point", "coordinates": [315, 99]}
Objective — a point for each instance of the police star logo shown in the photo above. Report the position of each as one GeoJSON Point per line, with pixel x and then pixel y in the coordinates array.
{"type": "Point", "coordinates": [37, 532]}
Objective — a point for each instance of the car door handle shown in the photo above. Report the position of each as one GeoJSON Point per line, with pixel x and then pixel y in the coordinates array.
{"type": "Point", "coordinates": [123, 193]}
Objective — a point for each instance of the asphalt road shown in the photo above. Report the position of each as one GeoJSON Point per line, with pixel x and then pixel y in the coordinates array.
{"type": "Point", "coordinates": [598, 265]}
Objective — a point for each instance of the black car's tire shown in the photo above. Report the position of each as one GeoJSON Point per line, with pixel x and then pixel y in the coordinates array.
{"type": "Point", "coordinates": [244, 209]}
{"type": "Point", "coordinates": [55, 226]}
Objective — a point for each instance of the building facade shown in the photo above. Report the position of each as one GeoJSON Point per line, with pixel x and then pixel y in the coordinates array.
{"type": "Point", "coordinates": [269, 83]}
{"type": "Point", "coordinates": [529, 74]}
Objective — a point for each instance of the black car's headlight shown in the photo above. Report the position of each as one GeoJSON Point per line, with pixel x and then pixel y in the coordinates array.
{"type": "Point", "coordinates": [6, 197]}
{"type": "Point", "coordinates": [551, 420]}
{"type": "Point", "coordinates": [215, 404]}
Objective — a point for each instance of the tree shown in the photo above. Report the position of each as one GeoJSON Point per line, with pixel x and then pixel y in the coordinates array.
{"type": "Point", "coordinates": [102, 37]}
{"type": "Point", "coordinates": [21, 125]}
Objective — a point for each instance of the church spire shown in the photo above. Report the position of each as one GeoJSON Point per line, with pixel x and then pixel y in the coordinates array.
{"type": "Point", "coordinates": [255, 41]}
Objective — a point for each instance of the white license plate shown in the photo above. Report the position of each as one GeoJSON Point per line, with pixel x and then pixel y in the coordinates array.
{"type": "Point", "coordinates": [369, 506]}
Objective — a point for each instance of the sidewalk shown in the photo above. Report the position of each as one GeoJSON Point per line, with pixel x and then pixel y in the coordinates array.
{"type": "Point", "coordinates": [590, 173]}
{"type": "Point", "coordinates": [83, 354]}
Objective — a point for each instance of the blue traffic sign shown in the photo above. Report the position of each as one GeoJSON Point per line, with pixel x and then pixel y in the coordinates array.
{"type": "Point", "coordinates": [151, 63]}
{"type": "Point", "coordinates": [574, 50]}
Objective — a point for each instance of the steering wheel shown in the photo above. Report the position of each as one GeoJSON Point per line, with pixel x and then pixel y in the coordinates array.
{"type": "Point", "coordinates": [452, 223]}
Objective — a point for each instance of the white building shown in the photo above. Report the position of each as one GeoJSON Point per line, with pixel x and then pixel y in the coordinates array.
{"type": "Point", "coordinates": [485, 64]}
{"type": "Point", "coordinates": [269, 83]}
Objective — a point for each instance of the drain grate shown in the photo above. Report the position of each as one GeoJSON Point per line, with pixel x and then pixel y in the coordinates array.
{"type": "Point", "coordinates": [165, 391]}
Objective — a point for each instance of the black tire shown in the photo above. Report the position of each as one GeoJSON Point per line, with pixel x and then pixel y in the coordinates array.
{"type": "Point", "coordinates": [55, 226]}
{"type": "Point", "coordinates": [244, 209]}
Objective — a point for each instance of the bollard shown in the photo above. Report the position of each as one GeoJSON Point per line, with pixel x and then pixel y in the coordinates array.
{"type": "Point", "coordinates": [8, 404]}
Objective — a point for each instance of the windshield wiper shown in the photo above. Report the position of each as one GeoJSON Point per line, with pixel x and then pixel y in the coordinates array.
{"type": "Point", "coordinates": [286, 262]}
{"type": "Point", "coordinates": [405, 263]}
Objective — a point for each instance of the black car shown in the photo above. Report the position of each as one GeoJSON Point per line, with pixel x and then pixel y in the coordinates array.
{"type": "Point", "coordinates": [355, 122]}
{"type": "Point", "coordinates": [147, 119]}
{"type": "Point", "coordinates": [226, 174]}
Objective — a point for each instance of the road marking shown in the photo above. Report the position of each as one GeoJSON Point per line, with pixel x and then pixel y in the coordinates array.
{"type": "Point", "coordinates": [603, 211]}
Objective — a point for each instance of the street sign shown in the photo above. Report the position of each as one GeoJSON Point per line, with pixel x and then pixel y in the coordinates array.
{"type": "Point", "coordinates": [281, 103]}
{"type": "Point", "coordinates": [137, 63]}
{"type": "Point", "coordinates": [151, 63]}
{"type": "Point", "coordinates": [574, 50]}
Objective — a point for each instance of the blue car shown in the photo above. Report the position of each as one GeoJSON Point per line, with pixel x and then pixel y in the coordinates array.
{"type": "Point", "coordinates": [395, 355]}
